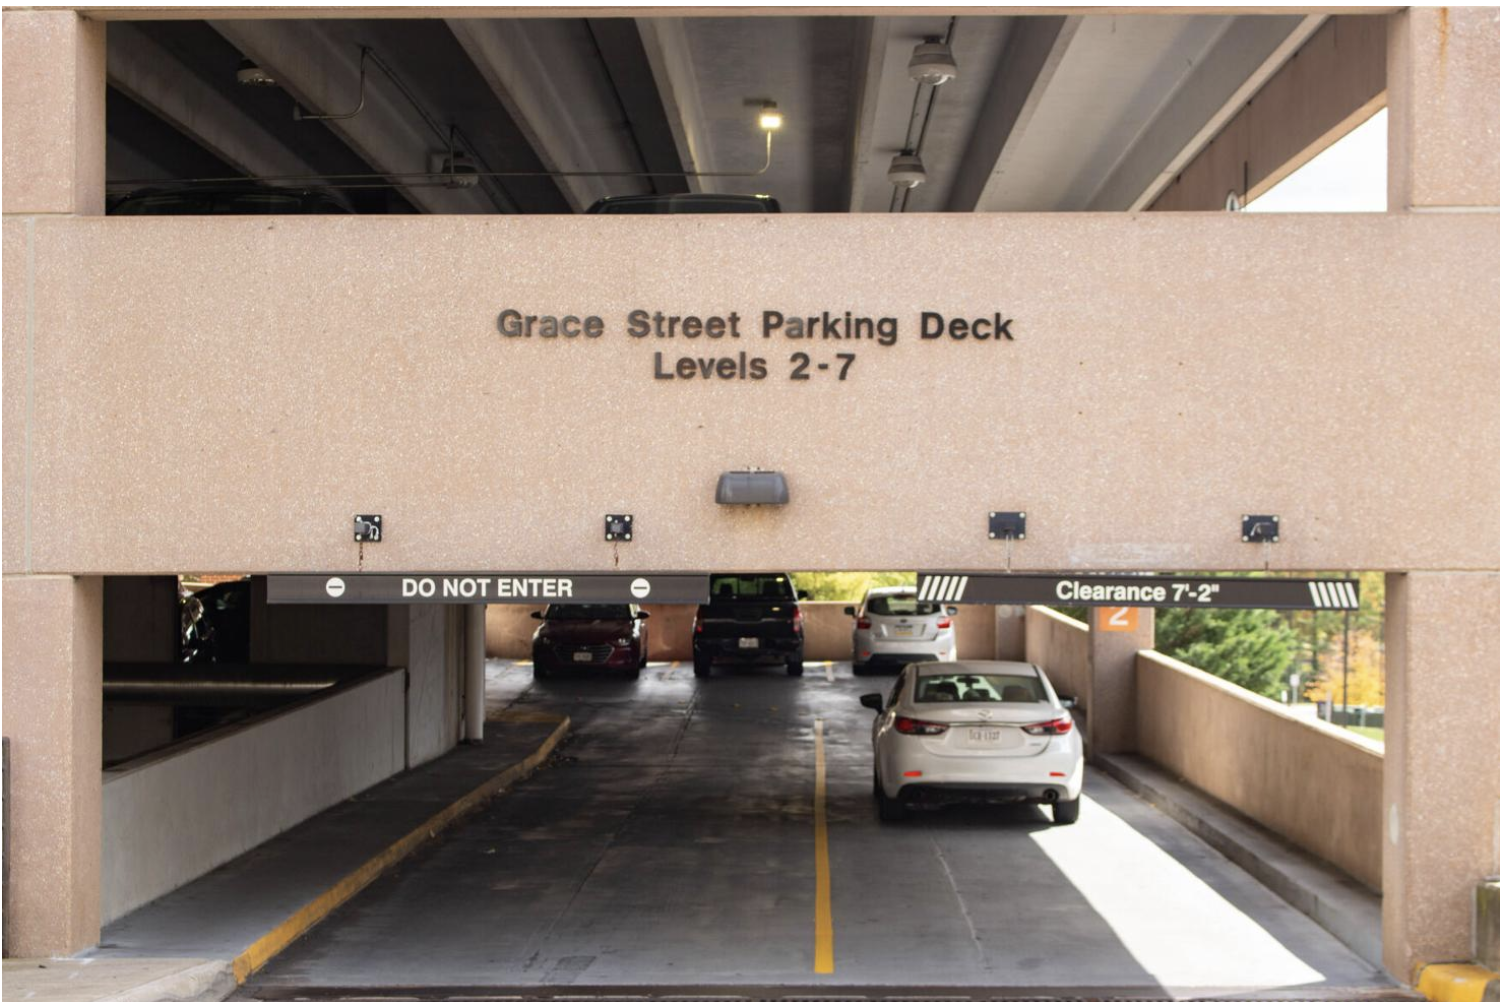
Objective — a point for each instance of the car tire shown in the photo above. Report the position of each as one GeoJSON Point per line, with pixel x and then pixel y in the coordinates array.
{"type": "Point", "coordinates": [702, 666]}
{"type": "Point", "coordinates": [860, 669]}
{"type": "Point", "coordinates": [890, 809]}
{"type": "Point", "coordinates": [1065, 812]}
{"type": "Point", "coordinates": [539, 672]}
{"type": "Point", "coordinates": [794, 668]}
{"type": "Point", "coordinates": [634, 675]}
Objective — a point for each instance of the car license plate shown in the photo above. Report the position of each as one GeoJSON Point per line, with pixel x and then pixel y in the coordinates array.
{"type": "Point", "coordinates": [986, 737]}
{"type": "Point", "coordinates": [749, 643]}
{"type": "Point", "coordinates": [902, 631]}
{"type": "Point", "coordinates": [582, 656]}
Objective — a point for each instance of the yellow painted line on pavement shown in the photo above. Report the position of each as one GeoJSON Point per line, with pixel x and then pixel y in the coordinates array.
{"type": "Point", "coordinates": [1455, 982]}
{"type": "Point", "coordinates": [260, 952]}
{"type": "Point", "coordinates": [671, 670]}
{"type": "Point", "coordinates": [828, 669]}
{"type": "Point", "coordinates": [823, 909]}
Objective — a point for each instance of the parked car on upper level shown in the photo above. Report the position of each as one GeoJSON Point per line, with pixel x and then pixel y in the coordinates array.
{"type": "Point", "coordinates": [749, 619]}
{"type": "Point", "coordinates": [608, 636]}
{"type": "Point", "coordinates": [685, 204]}
{"type": "Point", "coordinates": [893, 628]}
{"type": "Point", "coordinates": [988, 731]}
{"type": "Point", "coordinates": [244, 199]}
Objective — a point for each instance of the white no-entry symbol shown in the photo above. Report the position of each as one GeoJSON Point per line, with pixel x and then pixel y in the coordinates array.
{"type": "Point", "coordinates": [640, 587]}
{"type": "Point", "coordinates": [334, 587]}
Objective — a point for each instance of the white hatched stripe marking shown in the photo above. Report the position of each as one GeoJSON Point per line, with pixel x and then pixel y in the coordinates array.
{"type": "Point", "coordinates": [1351, 595]}
{"type": "Point", "coordinates": [942, 588]}
{"type": "Point", "coordinates": [963, 585]}
{"type": "Point", "coordinates": [948, 591]}
{"type": "Point", "coordinates": [1328, 599]}
{"type": "Point", "coordinates": [922, 591]}
{"type": "Point", "coordinates": [1312, 587]}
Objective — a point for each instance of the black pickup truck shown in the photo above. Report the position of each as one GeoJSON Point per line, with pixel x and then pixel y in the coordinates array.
{"type": "Point", "coordinates": [750, 619]}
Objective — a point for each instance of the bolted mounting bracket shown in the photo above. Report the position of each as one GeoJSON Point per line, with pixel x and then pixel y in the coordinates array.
{"type": "Point", "coordinates": [367, 528]}
{"type": "Point", "coordinates": [1260, 529]}
{"type": "Point", "coordinates": [618, 528]}
{"type": "Point", "coordinates": [1007, 525]}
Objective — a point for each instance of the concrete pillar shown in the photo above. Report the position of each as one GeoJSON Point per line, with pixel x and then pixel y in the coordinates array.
{"type": "Point", "coordinates": [142, 619]}
{"type": "Point", "coordinates": [1115, 637]}
{"type": "Point", "coordinates": [54, 113]}
{"type": "Point", "coordinates": [1010, 633]}
{"type": "Point", "coordinates": [1442, 74]}
{"type": "Point", "coordinates": [1442, 762]}
{"type": "Point", "coordinates": [474, 674]}
{"type": "Point", "coordinates": [53, 656]}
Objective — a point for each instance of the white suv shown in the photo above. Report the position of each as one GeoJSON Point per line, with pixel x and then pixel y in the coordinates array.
{"type": "Point", "coordinates": [892, 628]}
{"type": "Point", "coordinates": [991, 731]}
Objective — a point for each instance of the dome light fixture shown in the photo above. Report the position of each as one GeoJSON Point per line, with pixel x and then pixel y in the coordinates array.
{"type": "Point", "coordinates": [932, 63]}
{"type": "Point", "coordinates": [906, 170]}
{"type": "Point", "coordinates": [251, 75]}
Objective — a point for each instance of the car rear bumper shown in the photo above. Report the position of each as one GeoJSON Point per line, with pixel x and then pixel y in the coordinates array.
{"type": "Point", "coordinates": [1027, 777]}
{"type": "Point", "coordinates": [619, 659]}
{"type": "Point", "coordinates": [729, 649]}
{"type": "Point", "coordinates": [950, 793]}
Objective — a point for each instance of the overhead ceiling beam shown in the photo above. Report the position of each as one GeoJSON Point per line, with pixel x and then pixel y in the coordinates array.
{"type": "Point", "coordinates": [666, 44]}
{"type": "Point", "coordinates": [1248, 55]}
{"type": "Point", "coordinates": [870, 42]}
{"type": "Point", "coordinates": [1032, 54]}
{"type": "Point", "coordinates": [154, 78]}
{"type": "Point", "coordinates": [532, 72]}
{"type": "Point", "coordinates": [321, 72]}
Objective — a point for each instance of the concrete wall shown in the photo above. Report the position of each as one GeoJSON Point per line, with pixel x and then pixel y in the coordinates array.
{"type": "Point", "coordinates": [1317, 785]}
{"type": "Point", "coordinates": [828, 632]}
{"type": "Point", "coordinates": [1136, 349]}
{"type": "Point", "coordinates": [1060, 644]}
{"type": "Point", "coordinates": [171, 819]}
{"type": "Point", "coordinates": [432, 699]}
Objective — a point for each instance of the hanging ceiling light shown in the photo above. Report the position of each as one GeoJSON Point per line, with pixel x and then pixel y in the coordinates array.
{"type": "Point", "coordinates": [250, 75]}
{"type": "Point", "coordinates": [932, 63]}
{"type": "Point", "coordinates": [906, 170]}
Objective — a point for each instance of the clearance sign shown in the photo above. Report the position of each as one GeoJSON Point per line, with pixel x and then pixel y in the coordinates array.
{"type": "Point", "coordinates": [1160, 591]}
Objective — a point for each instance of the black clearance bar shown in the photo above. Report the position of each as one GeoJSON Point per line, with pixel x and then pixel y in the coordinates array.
{"type": "Point", "coordinates": [505, 588]}
{"type": "Point", "coordinates": [1166, 591]}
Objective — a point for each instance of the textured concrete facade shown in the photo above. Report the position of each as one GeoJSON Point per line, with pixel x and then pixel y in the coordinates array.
{"type": "Point", "coordinates": [1442, 774]}
{"type": "Point", "coordinates": [353, 364]}
{"type": "Point", "coordinates": [53, 657]}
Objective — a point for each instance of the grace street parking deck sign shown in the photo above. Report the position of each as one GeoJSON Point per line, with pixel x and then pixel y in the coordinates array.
{"type": "Point", "coordinates": [508, 588]}
{"type": "Point", "coordinates": [1161, 591]}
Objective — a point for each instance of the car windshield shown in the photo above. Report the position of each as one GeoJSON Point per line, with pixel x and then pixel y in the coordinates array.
{"type": "Point", "coordinates": [576, 612]}
{"type": "Point", "coordinates": [900, 605]}
{"type": "Point", "coordinates": [986, 688]}
{"type": "Point", "coordinates": [731, 587]}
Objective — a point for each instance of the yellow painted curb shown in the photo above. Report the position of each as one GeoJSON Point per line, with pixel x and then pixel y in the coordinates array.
{"type": "Point", "coordinates": [258, 953]}
{"type": "Point", "coordinates": [1455, 982]}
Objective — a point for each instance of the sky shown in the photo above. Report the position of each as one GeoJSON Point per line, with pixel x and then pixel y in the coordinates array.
{"type": "Point", "coordinates": [1349, 176]}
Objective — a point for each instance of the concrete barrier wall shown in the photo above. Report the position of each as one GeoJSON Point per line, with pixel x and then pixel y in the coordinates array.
{"type": "Point", "coordinates": [829, 633]}
{"type": "Point", "coordinates": [1060, 644]}
{"type": "Point", "coordinates": [1312, 783]}
{"type": "Point", "coordinates": [172, 819]}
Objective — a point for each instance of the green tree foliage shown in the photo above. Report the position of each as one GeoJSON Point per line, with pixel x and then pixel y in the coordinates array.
{"type": "Point", "coordinates": [1252, 648]}
{"type": "Point", "coordinates": [848, 586]}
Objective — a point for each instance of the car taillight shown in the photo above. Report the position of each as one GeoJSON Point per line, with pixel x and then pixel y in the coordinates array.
{"type": "Point", "coordinates": [906, 725]}
{"type": "Point", "coordinates": [697, 627]}
{"type": "Point", "coordinates": [861, 624]}
{"type": "Point", "coordinates": [796, 620]}
{"type": "Point", "coordinates": [945, 624]}
{"type": "Point", "coordinates": [1061, 725]}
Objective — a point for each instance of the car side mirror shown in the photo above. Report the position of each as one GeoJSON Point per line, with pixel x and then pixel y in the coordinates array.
{"type": "Point", "coordinates": [873, 700]}
{"type": "Point", "coordinates": [1068, 702]}
{"type": "Point", "coordinates": [804, 596]}
{"type": "Point", "coordinates": [849, 611]}
{"type": "Point", "coordinates": [952, 610]}
{"type": "Point", "coordinates": [536, 615]}
{"type": "Point", "coordinates": [643, 615]}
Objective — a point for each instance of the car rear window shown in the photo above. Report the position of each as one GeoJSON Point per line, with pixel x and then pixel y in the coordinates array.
{"type": "Point", "coordinates": [730, 587]}
{"type": "Point", "coordinates": [556, 612]}
{"type": "Point", "coordinates": [980, 689]}
{"type": "Point", "coordinates": [900, 605]}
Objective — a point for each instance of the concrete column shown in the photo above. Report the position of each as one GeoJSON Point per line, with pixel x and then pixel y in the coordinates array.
{"type": "Point", "coordinates": [54, 113]}
{"type": "Point", "coordinates": [53, 656]}
{"type": "Point", "coordinates": [1442, 73]}
{"type": "Point", "coordinates": [1442, 762]}
{"type": "Point", "coordinates": [1115, 638]}
{"type": "Point", "coordinates": [142, 619]}
{"type": "Point", "coordinates": [474, 674]}
{"type": "Point", "coordinates": [1010, 633]}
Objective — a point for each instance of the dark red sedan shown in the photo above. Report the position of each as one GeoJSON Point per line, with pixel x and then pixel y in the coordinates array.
{"type": "Point", "coordinates": [610, 638]}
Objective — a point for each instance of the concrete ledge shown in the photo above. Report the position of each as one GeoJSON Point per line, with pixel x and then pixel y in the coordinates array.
{"type": "Point", "coordinates": [1346, 908]}
{"type": "Point", "coordinates": [258, 953]}
{"type": "Point", "coordinates": [119, 980]}
{"type": "Point", "coordinates": [1459, 983]}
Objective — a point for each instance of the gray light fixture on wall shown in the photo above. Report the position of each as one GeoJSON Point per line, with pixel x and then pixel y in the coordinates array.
{"type": "Point", "coordinates": [752, 487]}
